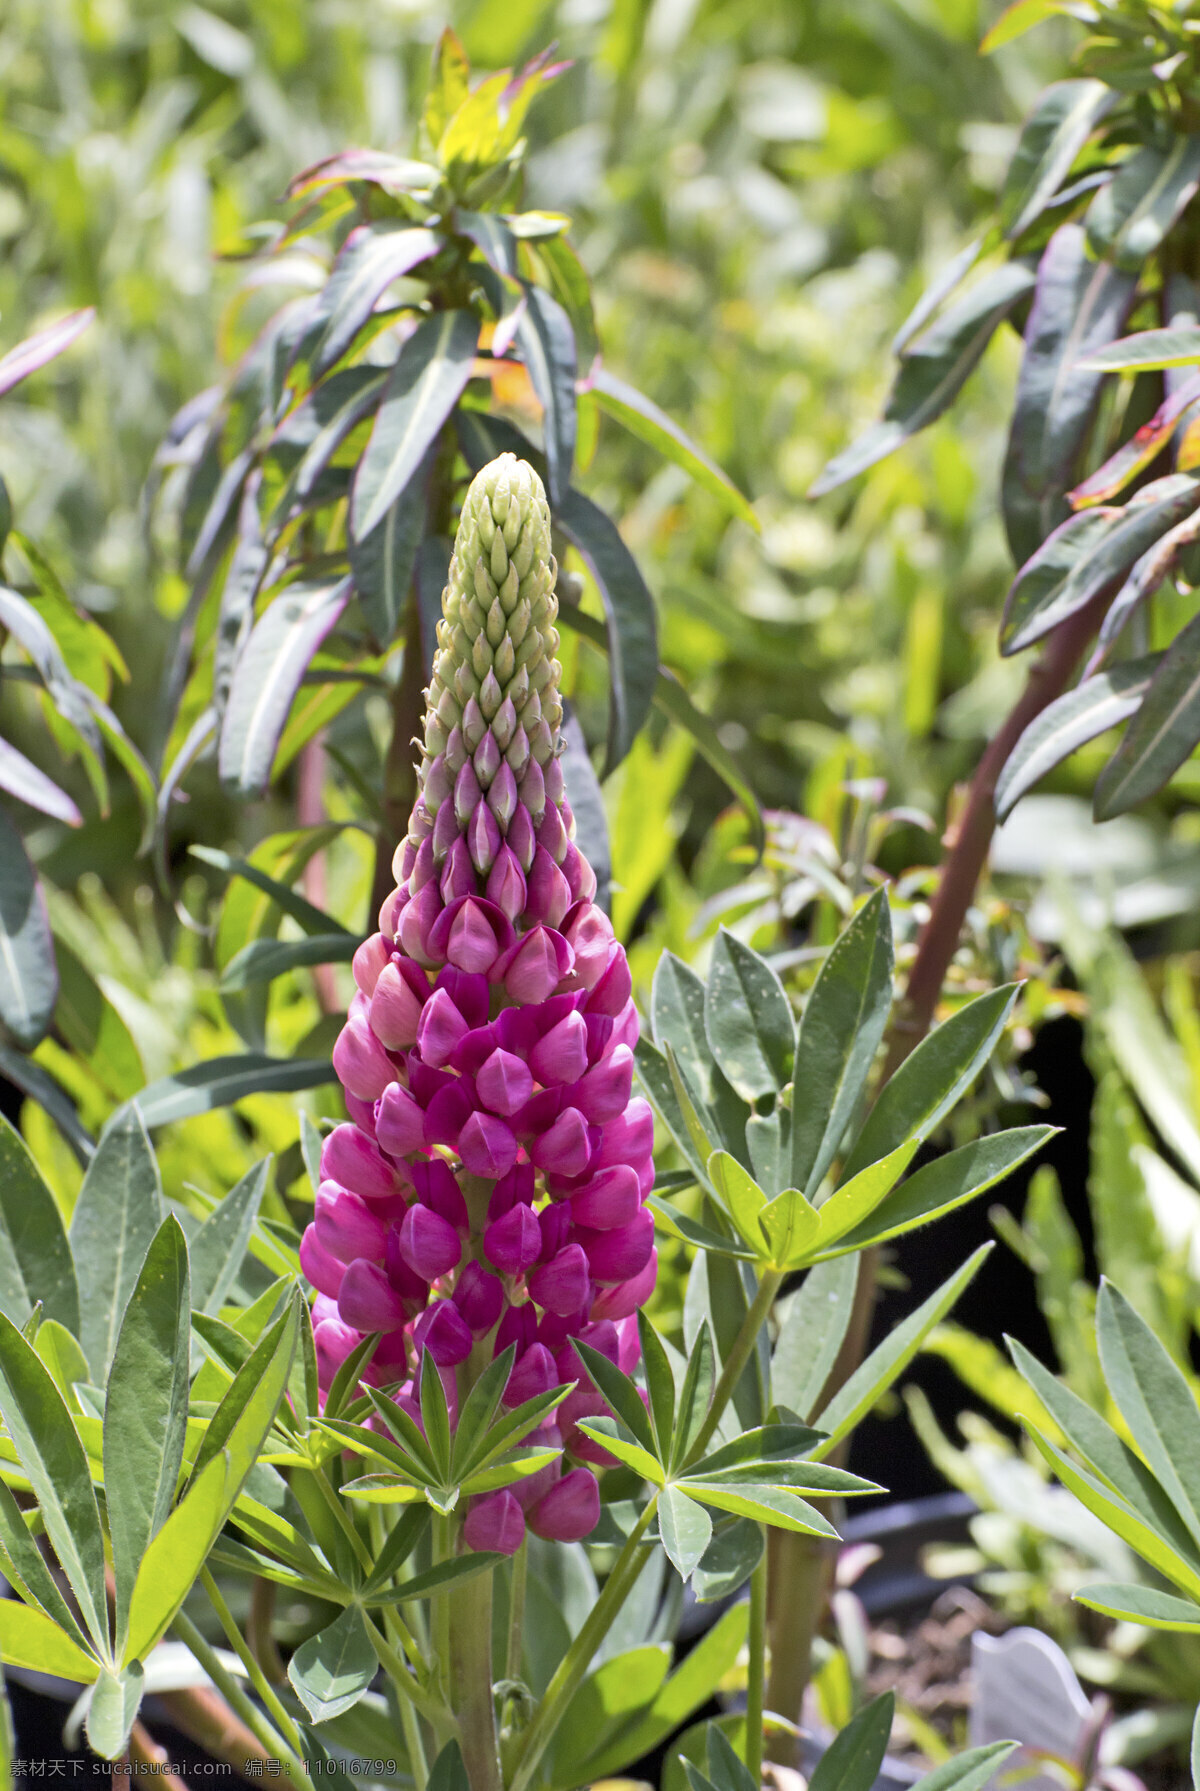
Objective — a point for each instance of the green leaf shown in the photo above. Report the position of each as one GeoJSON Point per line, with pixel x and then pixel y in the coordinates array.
{"type": "Point", "coordinates": [426, 383]}
{"type": "Point", "coordinates": [1144, 446]}
{"type": "Point", "coordinates": [264, 959]}
{"type": "Point", "coordinates": [1017, 18]}
{"type": "Point", "coordinates": [369, 260]}
{"type": "Point", "coordinates": [1148, 350]}
{"type": "Point", "coordinates": [933, 371]}
{"type": "Point", "coordinates": [93, 1028]}
{"type": "Point", "coordinates": [660, 1385]}
{"type": "Point", "coordinates": [29, 1639]}
{"type": "Point", "coordinates": [21, 778]}
{"type": "Point", "coordinates": [741, 1197]}
{"type": "Point", "coordinates": [1142, 1604]}
{"type": "Point", "coordinates": [221, 1081]}
{"type": "Point", "coordinates": [777, 1443]}
{"type": "Point", "coordinates": [1161, 735]}
{"type": "Point", "coordinates": [681, 1226]}
{"type": "Point", "coordinates": [28, 977]}
{"type": "Point", "coordinates": [23, 1565]}
{"type": "Point", "coordinates": [1154, 1399]}
{"type": "Point", "coordinates": [118, 1212]}
{"type": "Point", "coordinates": [53, 1459]}
{"type": "Point", "coordinates": [248, 1409]}
{"type": "Point", "coordinates": [1063, 118]}
{"type": "Point", "coordinates": [967, 1772]}
{"type": "Point", "coordinates": [437, 1580]}
{"type": "Point", "coordinates": [331, 1671]}
{"type": "Point", "coordinates": [266, 678]}
{"type": "Point", "coordinates": [642, 417]}
{"type": "Point", "coordinates": [890, 1358]}
{"type": "Point", "coordinates": [695, 1395]}
{"type": "Point", "coordinates": [404, 1537]}
{"type": "Point", "coordinates": [1130, 216]}
{"type": "Point", "coordinates": [313, 921]}
{"type": "Point", "coordinates": [764, 1503]}
{"type": "Point", "coordinates": [112, 1709]}
{"type": "Point", "coordinates": [815, 1320]}
{"type": "Point", "coordinates": [33, 1081]}
{"type": "Point", "coordinates": [932, 1079]}
{"type": "Point", "coordinates": [435, 1414]}
{"type": "Point", "coordinates": [844, 1020]}
{"type": "Point", "coordinates": [791, 1225]}
{"type": "Point", "coordinates": [946, 1183]}
{"type": "Point", "coordinates": [610, 1700]}
{"type": "Point", "coordinates": [851, 1203]}
{"type": "Point", "coordinates": [748, 1019]}
{"type": "Point", "coordinates": [35, 1258]}
{"type": "Point", "coordinates": [607, 1433]}
{"type": "Point", "coordinates": [449, 1772]}
{"type": "Point", "coordinates": [173, 1560]}
{"type": "Point", "coordinates": [629, 619]}
{"type": "Point", "coordinates": [218, 1249]}
{"type": "Point", "coordinates": [619, 1392]}
{"type": "Point", "coordinates": [1099, 703]}
{"type": "Point", "coordinates": [730, 1558]}
{"type": "Point", "coordinates": [547, 344]}
{"type": "Point", "coordinates": [145, 1409]}
{"type": "Point", "coordinates": [383, 562]}
{"type": "Point", "coordinates": [853, 1758]}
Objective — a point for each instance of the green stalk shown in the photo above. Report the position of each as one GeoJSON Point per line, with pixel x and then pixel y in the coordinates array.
{"type": "Point", "coordinates": [739, 1355]}
{"type": "Point", "coordinates": [470, 1615]}
{"type": "Point", "coordinates": [257, 1677]}
{"type": "Point", "coordinates": [516, 1613]}
{"type": "Point", "coordinates": [435, 1713]}
{"type": "Point", "coordinates": [237, 1700]}
{"type": "Point", "coordinates": [575, 1662]}
{"type": "Point", "coordinates": [756, 1678]}
{"type": "Point", "coordinates": [344, 1522]}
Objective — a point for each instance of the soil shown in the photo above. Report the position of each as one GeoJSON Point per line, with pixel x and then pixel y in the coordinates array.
{"type": "Point", "coordinates": [929, 1666]}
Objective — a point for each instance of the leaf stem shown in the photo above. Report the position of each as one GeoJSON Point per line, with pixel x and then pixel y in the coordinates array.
{"type": "Point", "coordinates": [237, 1700]}
{"type": "Point", "coordinates": [516, 1612]}
{"type": "Point", "coordinates": [735, 1362]}
{"type": "Point", "coordinates": [344, 1520]}
{"type": "Point", "coordinates": [258, 1678]}
{"type": "Point", "coordinates": [407, 1685]}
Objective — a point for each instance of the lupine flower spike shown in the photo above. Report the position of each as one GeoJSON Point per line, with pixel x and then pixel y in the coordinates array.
{"type": "Point", "coordinates": [490, 1187]}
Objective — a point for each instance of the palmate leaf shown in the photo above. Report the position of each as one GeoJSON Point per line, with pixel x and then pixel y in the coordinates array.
{"type": "Point", "coordinates": [607, 1433]}
{"type": "Point", "coordinates": [29, 1639]}
{"type": "Point", "coordinates": [1162, 734]}
{"type": "Point", "coordinates": [619, 1391]}
{"type": "Point", "coordinates": [1099, 703]}
{"type": "Point", "coordinates": [1154, 1399]}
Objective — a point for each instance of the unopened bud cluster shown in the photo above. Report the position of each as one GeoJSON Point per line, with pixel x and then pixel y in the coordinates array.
{"type": "Point", "coordinates": [490, 1187]}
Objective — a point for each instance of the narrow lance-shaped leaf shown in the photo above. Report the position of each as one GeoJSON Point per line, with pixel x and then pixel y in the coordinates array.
{"type": "Point", "coordinates": [21, 778]}
{"type": "Point", "coordinates": [1162, 734]}
{"type": "Point", "coordinates": [815, 1321]}
{"type": "Point", "coordinates": [1090, 709]}
{"type": "Point", "coordinates": [747, 1019]}
{"type": "Point", "coordinates": [118, 1212]}
{"type": "Point", "coordinates": [1128, 219]}
{"type": "Point", "coordinates": [35, 1258]}
{"type": "Point", "coordinates": [383, 562]}
{"type": "Point", "coordinates": [426, 383]}
{"type": "Point", "coordinates": [37, 350]}
{"type": "Point", "coordinates": [28, 977]}
{"type": "Point", "coordinates": [219, 1247]}
{"type": "Point", "coordinates": [1154, 1399]}
{"type": "Point", "coordinates": [371, 257]}
{"type": "Point", "coordinates": [1148, 350]}
{"type": "Point", "coordinates": [547, 344]}
{"type": "Point", "coordinates": [1142, 447]}
{"type": "Point", "coordinates": [629, 617]}
{"type": "Point", "coordinates": [267, 677]}
{"type": "Point", "coordinates": [1147, 574]}
{"type": "Point", "coordinates": [1063, 118]}
{"type": "Point", "coordinates": [220, 1081]}
{"type": "Point", "coordinates": [1142, 1604]}
{"type": "Point", "coordinates": [853, 1758]}
{"type": "Point", "coordinates": [642, 417]}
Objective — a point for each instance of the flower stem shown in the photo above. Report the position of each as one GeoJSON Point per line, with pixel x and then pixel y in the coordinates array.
{"type": "Point", "coordinates": [735, 1362]}
{"type": "Point", "coordinates": [470, 1614]}
{"type": "Point", "coordinates": [578, 1658]}
{"type": "Point", "coordinates": [238, 1702]}
{"type": "Point", "coordinates": [756, 1680]}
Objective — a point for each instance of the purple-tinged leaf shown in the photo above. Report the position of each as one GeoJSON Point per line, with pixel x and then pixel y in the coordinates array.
{"type": "Point", "coordinates": [492, 237]}
{"type": "Point", "coordinates": [369, 260]}
{"type": "Point", "coordinates": [267, 677]}
{"type": "Point", "coordinates": [28, 356]}
{"type": "Point", "coordinates": [547, 344]}
{"type": "Point", "coordinates": [22, 779]}
{"type": "Point", "coordinates": [567, 279]}
{"type": "Point", "coordinates": [1146, 351]}
{"type": "Point", "coordinates": [935, 294]}
{"type": "Point", "coordinates": [933, 371]}
{"type": "Point", "coordinates": [382, 562]}
{"type": "Point", "coordinates": [1147, 574]}
{"type": "Point", "coordinates": [642, 417]}
{"type": "Point", "coordinates": [629, 616]}
{"type": "Point", "coordinates": [1141, 448]}
{"type": "Point", "coordinates": [395, 174]}
{"type": "Point", "coordinates": [247, 567]}
{"type": "Point", "coordinates": [219, 517]}
{"type": "Point", "coordinates": [28, 977]}
{"type": "Point", "coordinates": [320, 425]}
{"type": "Point", "coordinates": [425, 385]}
{"type": "Point", "coordinates": [1128, 219]}
{"type": "Point", "coordinates": [1164, 732]}
{"type": "Point", "coordinates": [1061, 122]}
{"type": "Point", "coordinates": [1090, 709]}
{"type": "Point", "coordinates": [1078, 302]}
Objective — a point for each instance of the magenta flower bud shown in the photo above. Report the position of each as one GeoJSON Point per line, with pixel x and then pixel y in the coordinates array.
{"type": "Point", "coordinates": [417, 921]}
{"type": "Point", "coordinates": [319, 1266]}
{"type": "Point", "coordinates": [471, 934]}
{"type": "Point", "coordinates": [442, 1330]}
{"type": "Point", "coordinates": [518, 1328]}
{"type": "Point", "coordinates": [503, 1083]}
{"type": "Point", "coordinates": [458, 876]}
{"type": "Point", "coordinates": [534, 1374]}
{"type": "Point", "coordinates": [445, 829]}
{"type": "Point", "coordinates": [502, 797]}
{"type": "Point", "coordinates": [527, 1492]}
{"type": "Point", "coordinates": [469, 993]}
{"type": "Point", "coordinates": [602, 1337]}
{"type": "Point", "coordinates": [369, 960]}
{"type": "Point", "coordinates": [610, 1200]}
{"type": "Point", "coordinates": [359, 1060]}
{"type": "Point", "coordinates": [514, 1189]}
{"type": "Point", "coordinates": [349, 1157]}
{"type": "Point", "coordinates": [334, 1341]}
{"type": "Point", "coordinates": [613, 988]}
{"type": "Point", "coordinates": [581, 878]}
{"type": "Point", "coordinates": [626, 1027]}
{"type": "Point", "coordinates": [549, 893]}
{"type": "Point", "coordinates": [566, 1147]}
{"type": "Point", "coordinates": [400, 1123]}
{"type": "Point", "coordinates": [412, 1290]}
{"type": "Point", "coordinates": [439, 782]}
{"type": "Point", "coordinates": [569, 1511]}
{"type": "Point", "coordinates": [506, 883]}
{"type": "Point", "coordinates": [513, 1243]}
{"type": "Point", "coordinates": [429, 1245]}
{"type": "Point", "coordinates": [346, 1226]}
{"type": "Point", "coordinates": [623, 1252]}
{"type": "Point", "coordinates": [437, 1188]}
{"type": "Point", "coordinates": [487, 760]}
{"type": "Point", "coordinates": [554, 1222]}
{"type": "Point", "coordinates": [483, 838]}
{"type": "Point", "coordinates": [533, 792]}
{"type": "Point", "coordinates": [390, 911]}
{"type": "Point", "coordinates": [467, 794]}
{"type": "Point", "coordinates": [520, 836]}
{"type": "Point", "coordinates": [561, 1285]}
{"type": "Point", "coordinates": [538, 964]}
{"type": "Point", "coordinates": [629, 1344]}
{"type": "Point", "coordinates": [629, 1139]}
{"type": "Point", "coordinates": [403, 860]}
{"type": "Point", "coordinates": [362, 1113]}
{"type": "Point", "coordinates": [588, 931]}
{"type": "Point", "coordinates": [561, 1056]}
{"type": "Point", "coordinates": [424, 868]}
{"type": "Point", "coordinates": [556, 787]}
{"type": "Point", "coordinates": [627, 1296]}
{"type": "Point", "coordinates": [520, 1028]}
{"type": "Point", "coordinates": [440, 1029]}
{"type": "Point", "coordinates": [479, 1296]}
{"type": "Point", "coordinates": [323, 1307]}
{"type": "Point", "coordinates": [474, 727]}
{"type": "Point", "coordinates": [400, 992]}
{"type": "Point", "coordinates": [456, 751]}
{"type": "Point", "coordinates": [446, 1115]}
{"type": "Point", "coordinates": [368, 1301]}
{"type": "Point", "coordinates": [495, 1523]}
{"type": "Point", "coordinates": [487, 1146]}
{"type": "Point", "coordinates": [474, 1050]}
{"type": "Point", "coordinates": [603, 1094]}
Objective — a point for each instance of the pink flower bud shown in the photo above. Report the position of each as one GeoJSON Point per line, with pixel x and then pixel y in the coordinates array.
{"type": "Point", "coordinates": [554, 1222]}
{"type": "Point", "coordinates": [603, 1094]}
{"type": "Point", "coordinates": [458, 876]}
{"type": "Point", "coordinates": [503, 1083]}
{"type": "Point", "coordinates": [417, 922]}
{"type": "Point", "coordinates": [561, 1285]}
{"type": "Point", "coordinates": [569, 1511]}
{"type": "Point", "coordinates": [437, 1188]}
{"type": "Point", "coordinates": [520, 836]}
{"type": "Point", "coordinates": [369, 960]}
{"type": "Point", "coordinates": [534, 969]}
{"type": "Point", "coordinates": [589, 932]}
{"type": "Point", "coordinates": [412, 1290]}
{"type": "Point", "coordinates": [440, 1029]}
{"type": "Point", "coordinates": [334, 1341]}
{"type": "Point", "coordinates": [483, 838]}
{"type": "Point", "coordinates": [470, 934]}
{"type": "Point", "coordinates": [349, 1157]}
{"type": "Point", "coordinates": [629, 1344]}
{"type": "Point", "coordinates": [621, 1253]}
{"type": "Point", "coordinates": [429, 1245]}
{"type": "Point", "coordinates": [561, 1056]}
{"type": "Point", "coordinates": [629, 1139]}
{"type": "Point", "coordinates": [533, 791]}
{"type": "Point", "coordinates": [445, 829]}
{"type": "Point", "coordinates": [400, 1125]}
{"type": "Point", "coordinates": [469, 993]}
{"type": "Point", "coordinates": [581, 878]}
{"type": "Point", "coordinates": [553, 835]}
{"type": "Point", "coordinates": [486, 760]}
{"type": "Point", "coordinates": [362, 1113]}
{"type": "Point", "coordinates": [534, 1374]}
{"type": "Point", "coordinates": [549, 894]}
{"type": "Point", "coordinates": [321, 1267]}
{"type": "Point", "coordinates": [403, 860]}
{"type": "Point", "coordinates": [527, 1492]}
{"type": "Point", "coordinates": [506, 883]}
{"type": "Point", "coordinates": [495, 1523]}
{"type": "Point", "coordinates": [446, 1115]}
{"type": "Point", "coordinates": [360, 1061]}
{"type": "Point", "coordinates": [502, 797]}
{"type": "Point", "coordinates": [467, 794]}
{"type": "Point", "coordinates": [514, 1189]}
{"type": "Point", "coordinates": [390, 911]}
{"type": "Point", "coordinates": [613, 988]}
{"type": "Point", "coordinates": [555, 787]}
{"type": "Point", "coordinates": [479, 1296]}
{"type": "Point", "coordinates": [627, 1296]}
{"type": "Point", "coordinates": [487, 1146]}
{"type": "Point", "coordinates": [514, 1242]}
{"type": "Point", "coordinates": [601, 1337]}
{"type": "Point", "coordinates": [400, 992]}
{"type": "Point", "coordinates": [439, 782]}
{"type": "Point", "coordinates": [424, 868]}
{"type": "Point", "coordinates": [566, 1148]}
{"type": "Point", "coordinates": [611, 1199]}
{"type": "Point", "coordinates": [442, 1330]}
{"type": "Point", "coordinates": [518, 1329]}
{"type": "Point", "coordinates": [539, 1113]}
{"type": "Point", "coordinates": [346, 1226]}
{"type": "Point", "coordinates": [368, 1301]}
